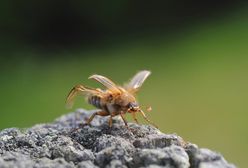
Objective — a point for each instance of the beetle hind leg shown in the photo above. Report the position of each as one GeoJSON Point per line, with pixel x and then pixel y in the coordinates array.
{"type": "Point", "coordinates": [100, 113]}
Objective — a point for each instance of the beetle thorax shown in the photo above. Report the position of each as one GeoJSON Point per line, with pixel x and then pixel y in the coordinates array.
{"type": "Point", "coordinates": [125, 98]}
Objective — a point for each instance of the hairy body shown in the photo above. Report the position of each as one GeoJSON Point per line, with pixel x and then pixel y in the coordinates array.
{"type": "Point", "coordinates": [115, 100]}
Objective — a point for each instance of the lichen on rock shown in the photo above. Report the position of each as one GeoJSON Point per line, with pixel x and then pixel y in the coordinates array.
{"type": "Point", "coordinates": [57, 145]}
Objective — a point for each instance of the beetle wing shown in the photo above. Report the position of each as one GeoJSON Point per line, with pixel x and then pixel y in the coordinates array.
{"type": "Point", "coordinates": [137, 81]}
{"type": "Point", "coordinates": [106, 82]}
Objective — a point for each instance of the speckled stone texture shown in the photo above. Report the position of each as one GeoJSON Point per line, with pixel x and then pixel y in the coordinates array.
{"type": "Point", "coordinates": [55, 145]}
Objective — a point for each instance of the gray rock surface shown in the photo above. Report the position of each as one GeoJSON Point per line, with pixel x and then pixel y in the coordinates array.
{"type": "Point", "coordinates": [57, 145]}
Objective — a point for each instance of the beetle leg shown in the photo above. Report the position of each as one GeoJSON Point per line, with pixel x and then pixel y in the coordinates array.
{"type": "Point", "coordinates": [100, 113]}
{"type": "Point", "coordinates": [134, 117]}
{"type": "Point", "coordinates": [110, 121]}
{"type": "Point", "coordinates": [124, 119]}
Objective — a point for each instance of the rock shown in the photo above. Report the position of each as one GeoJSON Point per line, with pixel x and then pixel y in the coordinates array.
{"type": "Point", "coordinates": [59, 145]}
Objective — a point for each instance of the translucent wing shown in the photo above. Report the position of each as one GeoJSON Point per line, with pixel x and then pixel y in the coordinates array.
{"type": "Point", "coordinates": [137, 81]}
{"type": "Point", "coordinates": [106, 82]}
{"type": "Point", "coordinates": [80, 90]}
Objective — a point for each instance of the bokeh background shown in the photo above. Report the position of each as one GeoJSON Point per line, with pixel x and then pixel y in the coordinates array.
{"type": "Point", "coordinates": [197, 52]}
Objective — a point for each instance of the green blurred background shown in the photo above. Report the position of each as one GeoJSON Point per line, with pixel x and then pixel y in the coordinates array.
{"type": "Point", "coordinates": [197, 52]}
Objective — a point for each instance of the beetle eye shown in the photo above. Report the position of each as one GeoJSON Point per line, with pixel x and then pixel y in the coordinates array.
{"type": "Point", "coordinates": [133, 105]}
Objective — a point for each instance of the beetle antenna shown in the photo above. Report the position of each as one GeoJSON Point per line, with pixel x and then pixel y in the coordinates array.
{"type": "Point", "coordinates": [149, 121]}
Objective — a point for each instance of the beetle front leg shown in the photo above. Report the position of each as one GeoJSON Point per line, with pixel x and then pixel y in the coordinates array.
{"type": "Point", "coordinates": [144, 115]}
{"type": "Point", "coordinates": [134, 117]}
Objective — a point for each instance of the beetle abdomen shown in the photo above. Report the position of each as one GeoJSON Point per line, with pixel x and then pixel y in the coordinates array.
{"type": "Point", "coordinates": [95, 101]}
